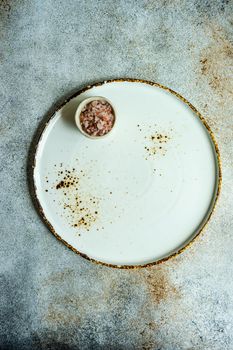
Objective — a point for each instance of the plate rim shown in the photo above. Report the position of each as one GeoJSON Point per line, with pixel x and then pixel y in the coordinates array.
{"type": "Point", "coordinates": [31, 164]}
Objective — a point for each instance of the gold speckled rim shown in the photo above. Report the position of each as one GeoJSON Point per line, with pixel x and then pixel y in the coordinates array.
{"type": "Point", "coordinates": [32, 163]}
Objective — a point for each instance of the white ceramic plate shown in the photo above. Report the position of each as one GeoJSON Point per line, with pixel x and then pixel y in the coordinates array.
{"type": "Point", "coordinates": [137, 196]}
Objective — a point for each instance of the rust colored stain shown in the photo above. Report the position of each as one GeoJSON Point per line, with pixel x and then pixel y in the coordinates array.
{"type": "Point", "coordinates": [149, 345]}
{"type": "Point", "coordinates": [70, 309]}
{"type": "Point", "coordinates": [160, 286]}
{"type": "Point", "coordinates": [58, 277]}
{"type": "Point", "coordinates": [5, 6]}
{"type": "Point", "coordinates": [217, 63]}
{"type": "Point", "coordinates": [61, 317]}
{"type": "Point", "coordinates": [74, 307]}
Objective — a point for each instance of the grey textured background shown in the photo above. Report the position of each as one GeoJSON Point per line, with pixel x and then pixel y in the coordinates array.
{"type": "Point", "coordinates": [50, 297]}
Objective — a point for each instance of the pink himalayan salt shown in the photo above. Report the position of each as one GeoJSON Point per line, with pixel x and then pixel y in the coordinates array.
{"type": "Point", "coordinates": [97, 118]}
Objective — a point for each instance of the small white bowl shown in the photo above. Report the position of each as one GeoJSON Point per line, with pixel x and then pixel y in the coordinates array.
{"type": "Point", "coordinates": [79, 111]}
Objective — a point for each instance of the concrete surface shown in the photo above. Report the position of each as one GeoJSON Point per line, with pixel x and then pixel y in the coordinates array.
{"type": "Point", "coordinates": [50, 297]}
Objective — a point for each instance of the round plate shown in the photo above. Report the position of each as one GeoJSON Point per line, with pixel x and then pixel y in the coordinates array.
{"type": "Point", "coordinates": [137, 196]}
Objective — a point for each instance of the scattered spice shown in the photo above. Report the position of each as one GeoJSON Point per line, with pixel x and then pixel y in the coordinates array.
{"type": "Point", "coordinates": [79, 208]}
{"type": "Point", "coordinates": [97, 118]}
{"type": "Point", "coordinates": [156, 144]}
